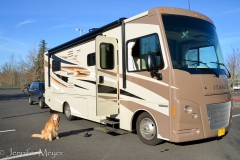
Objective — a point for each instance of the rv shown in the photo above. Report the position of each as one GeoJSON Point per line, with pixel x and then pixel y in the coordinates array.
{"type": "Point", "coordinates": [160, 73]}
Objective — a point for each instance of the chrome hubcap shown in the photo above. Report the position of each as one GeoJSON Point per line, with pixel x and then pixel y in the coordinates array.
{"type": "Point", "coordinates": [147, 128]}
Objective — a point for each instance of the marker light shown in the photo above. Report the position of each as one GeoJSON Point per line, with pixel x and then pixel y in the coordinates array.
{"type": "Point", "coordinates": [162, 10]}
{"type": "Point", "coordinates": [195, 14]}
{"type": "Point", "coordinates": [173, 110]}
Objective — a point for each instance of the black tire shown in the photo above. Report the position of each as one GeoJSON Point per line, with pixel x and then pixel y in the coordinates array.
{"type": "Point", "coordinates": [67, 112]}
{"type": "Point", "coordinates": [29, 100]}
{"type": "Point", "coordinates": [41, 103]}
{"type": "Point", "coordinates": [147, 129]}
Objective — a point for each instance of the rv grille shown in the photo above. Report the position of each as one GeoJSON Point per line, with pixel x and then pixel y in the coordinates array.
{"type": "Point", "coordinates": [218, 115]}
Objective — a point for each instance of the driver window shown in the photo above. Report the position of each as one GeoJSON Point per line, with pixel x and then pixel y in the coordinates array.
{"type": "Point", "coordinates": [139, 48]}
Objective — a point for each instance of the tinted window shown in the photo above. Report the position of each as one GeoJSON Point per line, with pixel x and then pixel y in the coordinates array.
{"type": "Point", "coordinates": [41, 86]}
{"type": "Point", "coordinates": [106, 56]}
{"type": "Point", "coordinates": [91, 59]}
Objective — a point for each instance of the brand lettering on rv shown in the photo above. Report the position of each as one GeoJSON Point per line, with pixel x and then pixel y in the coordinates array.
{"type": "Point", "coordinates": [217, 87]}
{"type": "Point", "coordinates": [70, 73]}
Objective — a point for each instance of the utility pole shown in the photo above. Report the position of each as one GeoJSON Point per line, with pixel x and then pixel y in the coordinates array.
{"type": "Point", "coordinates": [80, 30]}
{"type": "Point", "coordinates": [188, 4]}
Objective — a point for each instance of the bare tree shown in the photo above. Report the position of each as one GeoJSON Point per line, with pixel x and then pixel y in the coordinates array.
{"type": "Point", "coordinates": [233, 64]}
{"type": "Point", "coordinates": [31, 60]}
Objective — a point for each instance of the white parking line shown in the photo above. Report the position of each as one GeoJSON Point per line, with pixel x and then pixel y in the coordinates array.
{"type": "Point", "coordinates": [236, 115]}
{"type": "Point", "coordinates": [8, 130]}
{"type": "Point", "coordinates": [22, 155]}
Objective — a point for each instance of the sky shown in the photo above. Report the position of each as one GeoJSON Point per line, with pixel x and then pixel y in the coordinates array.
{"type": "Point", "coordinates": [24, 23]}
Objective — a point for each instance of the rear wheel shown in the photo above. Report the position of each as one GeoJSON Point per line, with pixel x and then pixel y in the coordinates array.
{"type": "Point", "coordinates": [147, 129]}
{"type": "Point", "coordinates": [41, 103]}
{"type": "Point", "coordinates": [67, 112]}
{"type": "Point", "coordinates": [29, 100]}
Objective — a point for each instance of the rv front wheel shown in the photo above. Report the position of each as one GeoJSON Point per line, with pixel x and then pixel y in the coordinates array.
{"type": "Point", "coordinates": [147, 130]}
{"type": "Point", "coordinates": [67, 112]}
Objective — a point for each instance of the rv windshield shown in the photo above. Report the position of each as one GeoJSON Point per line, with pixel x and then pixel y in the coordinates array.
{"type": "Point", "coordinates": [193, 45]}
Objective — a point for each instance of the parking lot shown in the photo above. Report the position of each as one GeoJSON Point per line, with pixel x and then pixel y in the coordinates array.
{"type": "Point", "coordinates": [19, 120]}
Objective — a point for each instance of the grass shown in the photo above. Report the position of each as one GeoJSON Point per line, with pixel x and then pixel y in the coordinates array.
{"type": "Point", "coordinates": [11, 87]}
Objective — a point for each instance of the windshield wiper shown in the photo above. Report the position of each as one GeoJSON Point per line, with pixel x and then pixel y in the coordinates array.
{"type": "Point", "coordinates": [209, 69]}
{"type": "Point", "coordinates": [222, 64]}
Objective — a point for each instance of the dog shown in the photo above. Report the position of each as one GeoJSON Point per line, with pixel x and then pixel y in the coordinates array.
{"type": "Point", "coordinates": [51, 129]}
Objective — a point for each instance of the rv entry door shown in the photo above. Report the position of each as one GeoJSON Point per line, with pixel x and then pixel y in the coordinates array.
{"type": "Point", "coordinates": [106, 76]}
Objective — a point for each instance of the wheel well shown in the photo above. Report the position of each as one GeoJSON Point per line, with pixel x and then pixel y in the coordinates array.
{"type": "Point", "coordinates": [135, 117]}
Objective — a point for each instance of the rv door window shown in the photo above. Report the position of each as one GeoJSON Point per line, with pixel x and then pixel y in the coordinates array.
{"type": "Point", "coordinates": [106, 56]}
{"type": "Point", "coordinates": [139, 48]}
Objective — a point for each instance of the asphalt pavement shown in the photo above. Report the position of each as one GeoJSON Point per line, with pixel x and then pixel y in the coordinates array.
{"type": "Point", "coordinates": [19, 120]}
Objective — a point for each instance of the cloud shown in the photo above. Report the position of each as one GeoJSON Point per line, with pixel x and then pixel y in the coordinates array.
{"type": "Point", "coordinates": [232, 11]}
{"type": "Point", "coordinates": [62, 26]}
{"type": "Point", "coordinates": [25, 22]}
{"type": "Point", "coordinates": [7, 40]}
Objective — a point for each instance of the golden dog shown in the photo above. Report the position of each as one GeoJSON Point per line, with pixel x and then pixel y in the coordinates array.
{"type": "Point", "coordinates": [51, 129]}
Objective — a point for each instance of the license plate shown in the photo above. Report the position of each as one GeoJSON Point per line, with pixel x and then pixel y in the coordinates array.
{"type": "Point", "coordinates": [221, 132]}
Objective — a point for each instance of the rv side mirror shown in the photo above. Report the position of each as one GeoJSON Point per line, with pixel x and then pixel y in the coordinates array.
{"type": "Point", "coordinates": [151, 62]}
{"type": "Point", "coordinates": [151, 65]}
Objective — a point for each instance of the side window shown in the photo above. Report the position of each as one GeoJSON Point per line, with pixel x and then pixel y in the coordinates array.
{"type": "Point", "coordinates": [56, 65]}
{"type": "Point", "coordinates": [106, 56]}
{"type": "Point", "coordinates": [91, 59]}
{"type": "Point", "coordinates": [139, 48]}
{"type": "Point", "coordinates": [41, 86]}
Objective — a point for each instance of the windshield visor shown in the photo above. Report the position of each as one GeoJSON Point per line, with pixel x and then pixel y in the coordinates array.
{"type": "Point", "coordinates": [193, 45]}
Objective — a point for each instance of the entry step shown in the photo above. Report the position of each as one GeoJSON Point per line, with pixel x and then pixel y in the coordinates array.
{"type": "Point", "coordinates": [102, 129]}
{"type": "Point", "coordinates": [109, 121]}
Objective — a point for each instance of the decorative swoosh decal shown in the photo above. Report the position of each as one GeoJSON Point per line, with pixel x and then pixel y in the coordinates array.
{"type": "Point", "coordinates": [93, 82]}
{"type": "Point", "coordinates": [125, 93]}
{"type": "Point", "coordinates": [80, 86]}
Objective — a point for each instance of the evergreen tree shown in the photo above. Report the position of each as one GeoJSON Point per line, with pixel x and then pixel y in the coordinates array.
{"type": "Point", "coordinates": [39, 63]}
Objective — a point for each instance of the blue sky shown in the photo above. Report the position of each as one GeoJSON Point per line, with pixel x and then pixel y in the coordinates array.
{"type": "Point", "coordinates": [23, 23]}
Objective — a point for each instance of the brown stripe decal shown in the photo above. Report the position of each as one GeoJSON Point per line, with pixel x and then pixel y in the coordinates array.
{"type": "Point", "coordinates": [108, 72]}
{"type": "Point", "coordinates": [107, 97]}
{"type": "Point", "coordinates": [161, 119]}
{"type": "Point", "coordinates": [157, 88]}
{"type": "Point", "coordinates": [61, 84]}
{"type": "Point", "coordinates": [81, 72]}
{"type": "Point", "coordinates": [46, 64]}
{"type": "Point", "coordinates": [64, 57]}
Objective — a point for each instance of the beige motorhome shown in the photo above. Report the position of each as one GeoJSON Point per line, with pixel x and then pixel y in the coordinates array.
{"type": "Point", "coordinates": [160, 73]}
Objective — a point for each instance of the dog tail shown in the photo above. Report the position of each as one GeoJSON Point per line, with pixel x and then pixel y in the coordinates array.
{"type": "Point", "coordinates": [37, 135]}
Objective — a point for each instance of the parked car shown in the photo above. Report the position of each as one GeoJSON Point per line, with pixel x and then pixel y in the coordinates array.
{"type": "Point", "coordinates": [236, 87]}
{"type": "Point", "coordinates": [36, 93]}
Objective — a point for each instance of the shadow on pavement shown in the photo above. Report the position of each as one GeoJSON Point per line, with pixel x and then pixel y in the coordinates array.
{"type": "Point", "coordinates": [24, 115]}
{"type": "Point", "coordinates": [12, 97]}
{"type": "Point", "coordinates": [74, 132]}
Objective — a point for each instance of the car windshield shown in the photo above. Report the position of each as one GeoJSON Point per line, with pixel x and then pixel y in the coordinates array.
{"type": "Point", "coordinates": [193, 45]}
